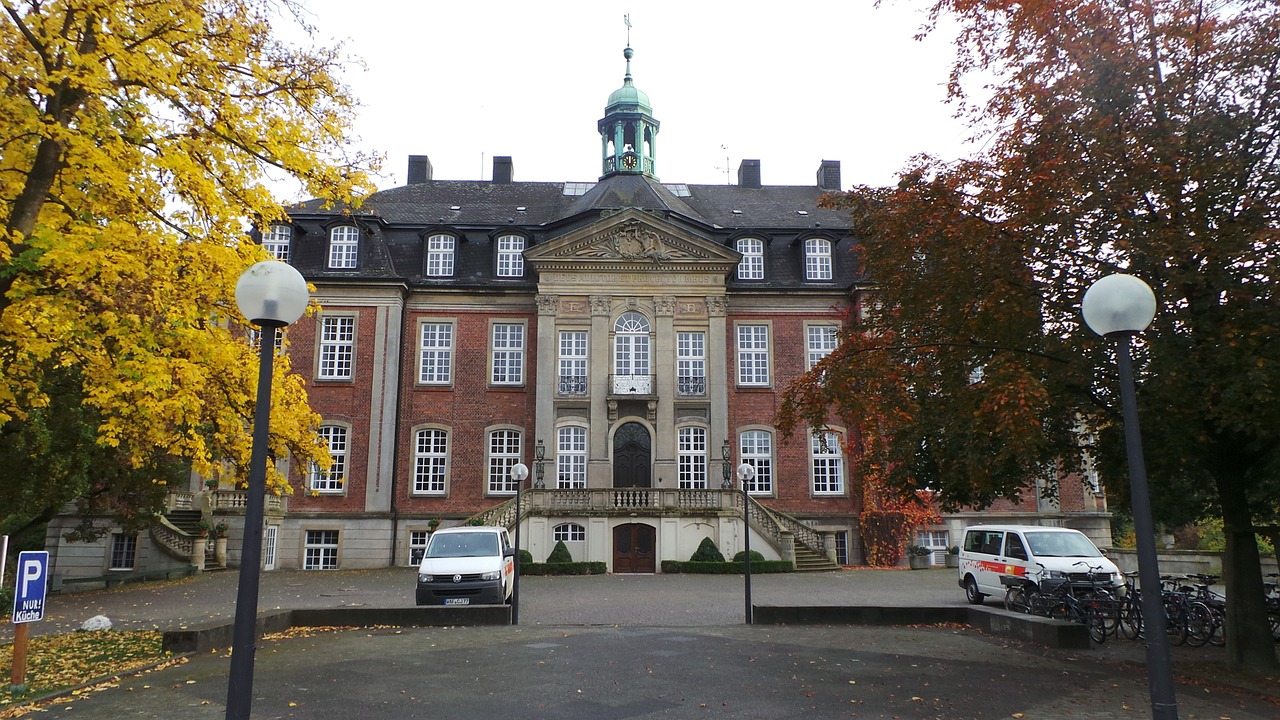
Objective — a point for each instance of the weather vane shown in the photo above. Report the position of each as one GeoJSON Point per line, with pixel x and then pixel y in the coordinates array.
{"type": "Point", "coordinates": [626, 20]}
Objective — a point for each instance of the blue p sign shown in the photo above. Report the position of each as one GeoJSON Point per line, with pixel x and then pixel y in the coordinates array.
{"type": "Point", "coordinates": [31, 581]}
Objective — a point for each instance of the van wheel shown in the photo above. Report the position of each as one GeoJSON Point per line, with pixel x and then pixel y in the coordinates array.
{"type": "Point", "coordinates": [971, 591]}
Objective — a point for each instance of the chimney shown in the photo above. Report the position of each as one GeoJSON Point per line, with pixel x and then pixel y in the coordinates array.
{"type": "Point", "coordinates": [502, 169]}
{"type": "Point", "coordinates": [749, 174]}
{"type": "Point", "coordinates": [829, 175]}
{"type": "Point", "coordinates": [419, 169]}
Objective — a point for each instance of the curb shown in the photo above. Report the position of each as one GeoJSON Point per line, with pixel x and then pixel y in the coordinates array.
{"type": "Point", "coordinates": [1043, 631]}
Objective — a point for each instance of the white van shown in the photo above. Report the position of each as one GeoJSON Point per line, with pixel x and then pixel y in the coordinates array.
{"type": "Point", "coordinates": [467, 565]}
{"type": "Point", "coordinates": [990, 552]}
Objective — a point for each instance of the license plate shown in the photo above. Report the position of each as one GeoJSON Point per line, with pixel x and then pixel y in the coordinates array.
{"type": "Point", "coordinates": [457, 601]}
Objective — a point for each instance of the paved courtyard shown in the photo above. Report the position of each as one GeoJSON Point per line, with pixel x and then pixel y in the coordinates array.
{"type": "Point", "coordinates": [661, 646]}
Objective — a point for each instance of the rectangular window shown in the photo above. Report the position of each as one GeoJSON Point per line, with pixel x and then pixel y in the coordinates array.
{"type": "Point", "coordinates": [571, 458]}
{"type": "Point", "coordinates": [756, 449]}
{"type": "Point", "coordinates": [573, 363]}
{"type": "Point", "coordinates": [332, 480]}
{"type": "Point", "coordinates": [753, 354]}
{"type": "Point", "coordinates": [842, 547]}
{"type": "Point", "coordinates": [124, 551]}
{"type": "Point", "coordinates": [827, 464]}
{"type": "Point", "coordinates": [320, 550]}
{"type": "Point", "coordinates": [508, 354]}
{"type": "Point", "coordinates": [691, 454]}
{"type": "Point", "coordinates": [817, 259]}
{"type": "Point", "coordinates": [276, 240]}
{"type": "Point", "coordinates": [510, 256]}
{"type": "Point", "coordinates": [751, 267]}
{"type": "Point", "coordinates": [430, 458]}
{"type": "Point", "coordinates": [504, 451]}
{"type": "Point", "coordinates": [435, 362]}
{"type": "Point", "coordinates": [337, 347]}
{"type": "Point", "coordinates": [691, 363]}
{"type": "Point", "coordinates": [269, 535]}
{"type": "Point", "coordinates": [344, 247]}
{"type": "Point", "coordinates": [440, 255]}
{"type": "Point", "coordinates": [822, 340]}
{"type": "Point", "coordinates": [417, 546]}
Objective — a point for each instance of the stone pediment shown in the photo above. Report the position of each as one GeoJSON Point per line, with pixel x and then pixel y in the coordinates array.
{"type": "Point", "coordinates": [631, 238]}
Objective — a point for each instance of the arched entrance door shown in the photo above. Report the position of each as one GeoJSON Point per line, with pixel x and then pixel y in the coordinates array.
{"type": "Point", "coordinates": [632, 448]}
{"type": "Point", "coordinates": [633, 548]}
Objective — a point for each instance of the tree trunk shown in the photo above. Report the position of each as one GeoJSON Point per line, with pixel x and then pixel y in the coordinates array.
{"type": "Point", "coordinates": [1249, 641]}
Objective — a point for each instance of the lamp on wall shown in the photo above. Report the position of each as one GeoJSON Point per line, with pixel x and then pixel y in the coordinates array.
{"type": "Point", "coordinates": [270, 294]}
{"type": "Point", "coordinates": [727, 482]}
{"type": "Point", "coordinates": [539, 454]}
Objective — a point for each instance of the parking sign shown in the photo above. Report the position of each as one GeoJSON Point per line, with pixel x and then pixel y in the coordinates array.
{"type": "Point", "coordinates": [30, 582]}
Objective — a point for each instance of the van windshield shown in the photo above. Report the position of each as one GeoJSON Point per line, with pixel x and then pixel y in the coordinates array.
{"type": "Point", "coordinates": [1061, 544]}
{"type": "Point", "coordinates": [475, 544]}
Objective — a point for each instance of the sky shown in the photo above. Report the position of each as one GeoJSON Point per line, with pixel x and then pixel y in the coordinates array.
{"type": "Point", "coordinates": [788, 84]}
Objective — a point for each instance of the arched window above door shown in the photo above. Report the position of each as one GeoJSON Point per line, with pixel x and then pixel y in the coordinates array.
{"type": "Point", "coordinates": [631, 322]}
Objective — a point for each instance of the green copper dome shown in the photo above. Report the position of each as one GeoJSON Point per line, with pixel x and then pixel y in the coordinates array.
{"type": "Point", "coordinates": [628, 97]}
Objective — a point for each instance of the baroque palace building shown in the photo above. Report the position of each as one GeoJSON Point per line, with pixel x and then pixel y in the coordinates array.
{"type": "Point", "coordinates": [627, 339]}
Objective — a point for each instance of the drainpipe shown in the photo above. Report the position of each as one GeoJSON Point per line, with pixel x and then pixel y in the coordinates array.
{"type": "Point", "coordinates": [395, 448]}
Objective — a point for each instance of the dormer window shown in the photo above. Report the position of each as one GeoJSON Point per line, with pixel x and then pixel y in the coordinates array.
{"type": "Point", "coordinates": [511, 256]}
{"type": "Point", "coordinates": [344, 247]}
{"type": "Point", "coordinates": [817, 259]}
{"type": "Point", "coordinates": [440, 255]}
{"type": "Point", "coordinates": [276, 240]}
{"type": "Point", "coordinates": [751, 267]}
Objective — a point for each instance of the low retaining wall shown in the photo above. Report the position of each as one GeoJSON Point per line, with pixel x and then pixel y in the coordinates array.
{"type": "Point", "coordinates": [203, 638]}
{"type": "Point", "coordinates": [1032, 628]}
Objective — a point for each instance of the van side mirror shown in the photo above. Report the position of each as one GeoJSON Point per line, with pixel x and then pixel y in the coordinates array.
{"type": "Point", "coordinates": [509, 552]}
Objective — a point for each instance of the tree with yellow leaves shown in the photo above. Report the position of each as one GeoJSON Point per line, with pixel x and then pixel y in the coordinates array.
{"type": "Point", "coordinates": [136, 138]}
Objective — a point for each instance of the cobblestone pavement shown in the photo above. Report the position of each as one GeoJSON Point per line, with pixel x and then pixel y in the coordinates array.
{"type": "Point", "coordinates": [621, 647]}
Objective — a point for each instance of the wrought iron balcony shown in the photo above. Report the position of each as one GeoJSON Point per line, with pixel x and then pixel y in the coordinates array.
{"type": "Point", "coordinates": [573, 385]}
{"type": "Point", "coordinates": [642, 385]}
{"type": "Point", "coordinates": [691, 385]}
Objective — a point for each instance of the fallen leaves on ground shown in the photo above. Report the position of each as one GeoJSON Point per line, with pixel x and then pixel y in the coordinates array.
{"type": "Point", "coordinates": [57, 662]}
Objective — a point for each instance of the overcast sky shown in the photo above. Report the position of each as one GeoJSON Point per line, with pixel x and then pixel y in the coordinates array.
{"type": "Point", "coordinates": [790, 84]}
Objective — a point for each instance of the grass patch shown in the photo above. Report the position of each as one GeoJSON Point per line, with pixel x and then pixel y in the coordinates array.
{"type": "Point", "coordinates": [58, 662]}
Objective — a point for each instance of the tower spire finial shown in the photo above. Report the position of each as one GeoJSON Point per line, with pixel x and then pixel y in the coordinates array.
{"type": "Point", "coordinates": [627, 52]}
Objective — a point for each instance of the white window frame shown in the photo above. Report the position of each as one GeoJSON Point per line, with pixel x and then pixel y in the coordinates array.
{"type": "Point", "coordinates": [568, 532]}
{"type": "Point", "coordinates": [503, 448]}
{"type": "Point", "coordinates": [755, 448]}
{"type": "Point", "coordinates": [440, 255]}
{"type": "Point", "coordinates": [571, 457]}
{"type": "Point", "coordinates": [751, 267]}
{"type": "Point", "coordinates": [691, 363]}
{"type": "Point", "coordinates": [435, 352]}
{"type": "Point", "coordinates": [418, 540]}
{"type": "Point", "coordinates": [817, 259]}
{"type": "Point", "coordinates": [124, 551]}
{"type": "Point", "coordinates": [277, 240]}
{"type": "Point", "coordinates": [511, 256]}
{"type": "Point", "coordinates": [573, 362]}
{"type": "Point", "coordinates": [334, 480]}
{"type": "Point", "coordinates": [430, 461]}
{"type": "Point", "coordinates": [826, 463]}
{"type": "Point", "coordinates": [344, 247]}
{"type": "Point", "coordinates": [753, 354]}
{"type": "Point", "coordinates": [506, 353]}
{"type": "Point", "coordinates": [820, 341]}
{"type": "Point", "coordinates": [336, 359]}
{"type": "Point", "coordinates": [691, 457]}
{"type": "Point", "coordinates": [320, 549]}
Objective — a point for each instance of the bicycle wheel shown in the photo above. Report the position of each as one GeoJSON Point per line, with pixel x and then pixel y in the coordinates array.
{"type": "Point", "coordinates": [1096, 616]}
{"type": "Point", "coordinates": [1219, 636]}
{"type": "Point", "coordinates": [1015, 599]}
{"type": "Point", "coordinates": [1175, 619]}
{"type": "Point", "coordinates": [1131, 618]}
{"type": "Point", "coordinates": [1199, 624]}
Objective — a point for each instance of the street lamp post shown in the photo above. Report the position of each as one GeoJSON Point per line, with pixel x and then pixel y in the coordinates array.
{"type": "Point", "coordinates": [519, 473]}
{"type": "Point", "coordinates": [1119, 307]}
{"type": "Point", "coordinates": [746, 473]}
{"type": "Point", "coordinates": [270, 294]}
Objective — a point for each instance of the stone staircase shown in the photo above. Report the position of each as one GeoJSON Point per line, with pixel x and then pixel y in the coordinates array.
{"type": "Point", "coordinates": [810, 561]}
{"type": "Point", "coordinates": [175, 533]}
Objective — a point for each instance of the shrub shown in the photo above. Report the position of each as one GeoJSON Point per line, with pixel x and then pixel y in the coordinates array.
{"type": "Point", "coordinates": [707, 552]}
{"type": "Point", "coordinates": [560, 554]}
{"type": "Point", "coordinates": [569, 568]}
{"type": "Point", "coordinates": [526, 557]}
{"type": "Point", "coordinates": [917, 550]}
{"type": "Point", "coordinates": [755, 557]}
{"type": "Point", "coordinates": [726, 568]}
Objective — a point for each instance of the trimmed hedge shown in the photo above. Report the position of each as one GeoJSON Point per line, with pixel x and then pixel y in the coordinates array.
{"type": "Point", "coordinates": [726, 568]}
{"type": "Point", "coordinates": [569, 568]}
